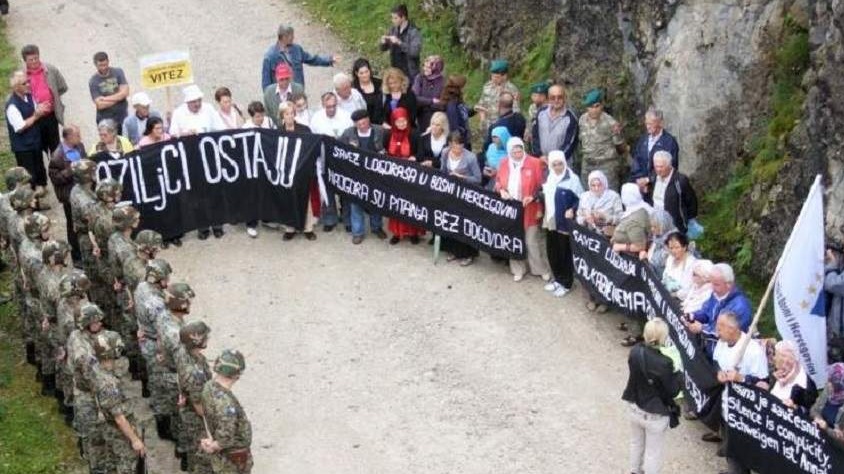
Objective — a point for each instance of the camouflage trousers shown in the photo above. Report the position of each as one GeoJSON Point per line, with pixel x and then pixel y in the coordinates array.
{"type": "Point", "coordinates": [102, 293]}
{"type": "Point", "coordinates": [29, 330]}
{"type": "Point", "coordinates": [120, 458]}
{"type": "Point", "coordinates": [32, 325]}
{"type": "Point", "coordinates": [220, 464]}
{"type": "Point", "coordinates": [193, 430]}
{"type": "Point", "coordinates": [64, 381]}
{"type": "Point", "coordinates": [128, 330]}
{"type": "Point", "coordinates": [88, 424]}
{"type": "Point", "coordinates": [48, 350]}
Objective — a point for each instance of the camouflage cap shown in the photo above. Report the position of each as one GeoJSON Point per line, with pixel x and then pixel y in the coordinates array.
{"type": "Point", "coordinates": [178, 295]}
{"type": "Point", "coordinates": [158, 270]}
{"type": "Point", "coordinates": [83, 170]}
{"type": "Point", "coordinates": [55, 251]}
{"type": "Point", "coordinates": [16, 175]}
{"type": "Point", "coordinates": [124, 216]}
{"type": "Point", "coordinates": [22, 198]}
{"type": "Point", "coordinates": [147, 239]}
{"type": "Point", "coordinates": [230, 363]}
{"type": "Point", "coordinates": [35, 225]}
{"type": "Point", "coordinates": [194, 335]}
{"type": "Point", "coordinates": [75, 283]}
{"type": "Point", "coordinates": [89, 313]}
{"type": "Point", "coordinates": [108, 345]}
{"type": "Point", "coordinates": [109, 189]}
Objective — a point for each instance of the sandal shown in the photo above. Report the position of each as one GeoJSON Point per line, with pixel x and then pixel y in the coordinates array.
{"type": "Point", "coordinates": [629, 341]}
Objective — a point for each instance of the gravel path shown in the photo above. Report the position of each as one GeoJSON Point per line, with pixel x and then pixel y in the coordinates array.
{"type": "Point", "coordinates": [364, 359]}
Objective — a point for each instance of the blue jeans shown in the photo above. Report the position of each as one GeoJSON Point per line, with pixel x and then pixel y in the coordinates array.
{"type": "Point", "coordinates": [357, 219]}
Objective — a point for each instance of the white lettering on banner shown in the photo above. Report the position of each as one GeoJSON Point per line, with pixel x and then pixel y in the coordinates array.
{"type": "Point", "coordinates": [620, 263]}
{"type": "Point", "coordinates": [346, 155]}
{"type": "Point", "coordinates": [216, 178]}
{"type": "Point", "coordinates": [682, 338]}
{"type": "Point", "coordinates": [442, 185]}
{"type": "Point", "coordinates": [634, 301]}
{"type": "Point", "coordinates": [492, 239]}
{"type": "Point", "coordinates": [408, 209]}
{"type": "Point", "coordinates": [284, 164]}
{"type": "Point", "coordinates": [487, 203]}
{"type": "Point", "coordinates": [700, 398]}
{"type": "Point", "coordinates": [593, 245]}
{"type": "Point", "coordinates": [348, 185]}
{"type": "Point", "coordinates": [231, 171]}
{"type": "Point", "coordinates": [392, 168]}
{"type": "Point", "coordinates": [447, 221]}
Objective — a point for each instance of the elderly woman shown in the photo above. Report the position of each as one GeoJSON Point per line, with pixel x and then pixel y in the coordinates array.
{"type": "Point", "coordinates": [631, 234]}
{"type": "Point", "coordinates": [519, 177]}
{"type": "Point", "coordinates": [679, 266]}
{"type": "Point", "coordinates": [428, 86]}
{"type": "Point", "coordinates": [828, 410]}
{"type": "Point", "coordinates": [433, 142]}
{"type": "Point", "coordinates": [789, 381]}
{"type": "Point", "coordinates": [700, 289]}
{"type": "Point", "coordinates": [110, 142]}
{"type": "Point", "coordinates": [153, 133]}
{"type": "Point", "coordinates": [652, 385]}
{"type": "Point", "coordinates": [562, 190]}
{"type": "Point", "coordinates": [369, 87]}
{"type": "Point", "coordinates": [228, 111]}
{"type": "Point", "coordinates": [462, 164]}
{"type": "Point", "coordinates": [397, 95]}
{"type": "Point", "coordinates": [494, 153]}
{"type": "Point", "coordinates": [661, 225]}
{"type": "Point", "coordinates": [400, 142]}
{"type": "Point", "coordinates": [600, 208]}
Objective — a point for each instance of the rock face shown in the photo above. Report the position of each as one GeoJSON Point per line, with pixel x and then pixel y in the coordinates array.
{"type": "Point", "coordinates": [708, 66]}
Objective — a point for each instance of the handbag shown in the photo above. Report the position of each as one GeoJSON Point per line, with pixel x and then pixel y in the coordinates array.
{"type": "Point", "coordinates": [670, 404]}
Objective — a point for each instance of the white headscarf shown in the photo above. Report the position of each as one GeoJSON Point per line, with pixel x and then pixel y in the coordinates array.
{"type": "Point", "coordinates": [631, 197]}
{"type": "Point", "coordinates": [514, 142]}
{"type": "Point", "coordinates": [514, 181]}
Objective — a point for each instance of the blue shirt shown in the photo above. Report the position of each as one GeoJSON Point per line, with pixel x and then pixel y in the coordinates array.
{"type": "Point", "coordinates": [71, 154]}
{"type": "Point", "coordinates": [295, 56]}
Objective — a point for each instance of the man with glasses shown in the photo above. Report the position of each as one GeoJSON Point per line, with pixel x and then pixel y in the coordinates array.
{"type": "Point", "coordinates": [555, 127]}
{"type": "Point", "coordinates": [602, 146]}
{"type": "Point", "coordinates": [23, 117]}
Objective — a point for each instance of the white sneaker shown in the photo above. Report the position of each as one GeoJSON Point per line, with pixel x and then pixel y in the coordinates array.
{"type": "Point", "coordinates": [518, 277]}
{"type": "Point", "coordinates": [252, 232]}
{"type": "Point", "coordinates": [551, 286]}
{"type": "Point", "coordinates": [561, 291]}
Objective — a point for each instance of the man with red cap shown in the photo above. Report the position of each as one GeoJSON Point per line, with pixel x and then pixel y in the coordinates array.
{"type": "Point", "coordinates": [282, 91]}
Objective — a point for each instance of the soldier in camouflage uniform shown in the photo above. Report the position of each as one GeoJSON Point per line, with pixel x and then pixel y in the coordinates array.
{"type": "Point", "coordinates": [194, 372]}
{"type": "Point", "coordinates": [73, 291]}
{"type": "Point", "coordinates": [14, 178]}
{"type": "Point", "coordinates": [36, 231]}
{"type": "Point", "coordinates": [82, 197]}
{"type": "Point", "coordinates": [602, 146]}
{"type": "Point", "coordinates": [100, 228]}
{"type": "Point", "coordinates": [22, 201]}
{"type": "Point", "coordinates": [84, 366]}
{"type": "Point", "coordinates": [125, 220]}
{"type": "Point", "coordinates": [230, 438]}
{"type": "Point", "coordinates": [120, 432]}
{"type": "Point", "coordinates": [149, 308]}
{"type": "Point", "coordinates": [54, 256]}
{"type": "Point", "coordinates": [487, 106]}
{"type": "Point", "coordinates": [177, 298]}
{"type": "Point", "coordinates": [147, 245]}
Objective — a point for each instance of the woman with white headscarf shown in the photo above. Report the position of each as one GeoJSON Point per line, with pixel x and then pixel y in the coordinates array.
{"type": "Point", "coordinates": [600, 208]}
{"type": "Point", "coordinates": [561, 190]}
{"type": "Point", "coordinates": [789, 381]}
{"type": "Point", "coordinates": [520, 177]}
{"type": "Point", "coordinates": [700, 289]}
{"type": "Point", "coordinates": [662, 225]}
{"type": "Point", "coordinates": [631, 233]}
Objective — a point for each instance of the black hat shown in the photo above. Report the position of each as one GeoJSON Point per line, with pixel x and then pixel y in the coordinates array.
{"type": "Point", "coordinates": [359, 114]}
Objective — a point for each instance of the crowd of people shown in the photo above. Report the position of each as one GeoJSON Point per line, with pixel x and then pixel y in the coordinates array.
{"type": "Point", "coordinates": [104, 294]}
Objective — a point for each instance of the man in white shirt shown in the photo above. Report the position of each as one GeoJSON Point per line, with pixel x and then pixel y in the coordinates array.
{"type": "Point", "coordinates": [331, 121]}
{"type": "Point", "coordinates": [194, 116]}
{"type": "Point", "coordinates": [22, 116]}
{"type": "Point", "coordinates": [663, 172]}
{"type": "Point", "coordinates": [348, 98]}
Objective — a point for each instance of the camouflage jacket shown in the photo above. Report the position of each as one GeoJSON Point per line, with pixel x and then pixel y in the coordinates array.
{"type": "Point", "coordinates": [149, 307]}
{"type": "Point", "coordinates": [598, 139]}
{"type": "Point", "coordinates": [194, 372]}
{"type": "Point", "coordinates": [31, 262]}
{"type": "Point", "coordinates": [66, 312]}
{"type": "Point", "coordinates": [48, 290]}
{"type": "Point", "coordinates": [112, 396]}
{"type": "Point", "coordinates": [82, 361]}
{"type": "Point", "coordinates": [133, 270]}
{"type": "Point", "coordinates": [170, 347]}
{"type": "Point", "coordinates": [489, 100]}
{"type": "Point", "coordinates": [81, 199]}
{"type": "Point", "coordinates": [226, 419]}
{"type": "Point", "coordinates": [120, 249]}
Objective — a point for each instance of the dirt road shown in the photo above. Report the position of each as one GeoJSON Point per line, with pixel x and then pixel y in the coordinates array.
{"type": "Point", "coordinates": [364, 359]}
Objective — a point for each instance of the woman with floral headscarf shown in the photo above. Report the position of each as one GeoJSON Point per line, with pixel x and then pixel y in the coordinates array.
{"type": "Point", "coordinates": [789, 381]}
{"type": "Point", "coordinates": [600, 207]}
{"type": "Point", "coordinates": [428, 86]}
{"type": "Point", "coordinates": [828, 410]}
{"type": "Point", "coordinates": [401, 143]}
{"type": "Point", "coordinates": [701, 288]}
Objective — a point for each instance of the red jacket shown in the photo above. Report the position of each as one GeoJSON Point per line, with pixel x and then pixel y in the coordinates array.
{"type": "Point", "coordinates": [533, 175]}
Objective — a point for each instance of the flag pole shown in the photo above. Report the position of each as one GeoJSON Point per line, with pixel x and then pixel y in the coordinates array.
{"type": "Point", "coordinates": [764, 302]}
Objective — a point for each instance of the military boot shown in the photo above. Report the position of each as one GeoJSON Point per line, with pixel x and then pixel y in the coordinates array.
{"type": "Point", "coordinates": [30, 353]}
{"type": "Point", "coordinates": [134, 368]}
{"type": "Point", "coordinates": [162, 426]}
{"type": "Point", "coordinates": [48, 385]}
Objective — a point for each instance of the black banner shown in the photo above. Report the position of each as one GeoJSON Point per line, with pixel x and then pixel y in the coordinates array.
{"type": "Point", "coordinates": [427, 198]}
{"type": "Point", "coordinates": [627, 283]}
{"type": "Point", "coordinates": [768, 437]}
{"type": "Point", "coordinates": [215, 178]}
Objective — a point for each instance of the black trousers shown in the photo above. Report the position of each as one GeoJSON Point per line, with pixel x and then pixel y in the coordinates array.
{"type": "Point", "coordinates": [458, 249]}
{"type": "Point", "coordinates": [49, 127]}
{"type": "Point", "coordinates": [558, 247]}
{"type": "Point", "coordinates": [71, 235]}
{"type": "Point", "coordinates": [33, 161]}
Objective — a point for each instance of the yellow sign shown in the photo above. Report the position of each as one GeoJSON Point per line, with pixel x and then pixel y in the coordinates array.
{"type": "Point", "coordinates": [172, 68]}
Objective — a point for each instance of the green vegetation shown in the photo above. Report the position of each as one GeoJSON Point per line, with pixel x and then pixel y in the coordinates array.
{"type": "Point", "coordinates": [361, 23]}
{"type": "Point", "coordinates": [727, 238]}
{"type": "Point", "coordinates": [33, 436]}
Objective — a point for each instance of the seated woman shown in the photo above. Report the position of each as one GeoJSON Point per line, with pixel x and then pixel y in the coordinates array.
{"type": "Point", "coordinates": [679, 266]}
{"type": "Point", "coordinates": [662, 224]}
{"type": "Point", "coordinates": [600, 208]}
{"type": "Point", "coordinates": [153, 133]}
{"type": "Point", "coordinates": [700, 289]}
{"type": "Point", "coordinates": [462, 164]}
{"type": "Point", "coordinates": [789, 381]}
{"type": "Point", "coordinates": [110, 142]}
{"type": "Point", "coordinates": [828, 410]}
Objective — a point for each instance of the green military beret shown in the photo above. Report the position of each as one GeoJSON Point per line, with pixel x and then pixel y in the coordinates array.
{"type": "Point", "coordinates": [593, 97]}
{"type": "Point", "coordinates": [499, 66]}
{"type": "Point", "coordinates": [539, 88]}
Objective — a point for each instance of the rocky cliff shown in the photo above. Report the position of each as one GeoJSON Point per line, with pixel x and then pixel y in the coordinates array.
{"type": "Point", "coordinates": [752, 89]}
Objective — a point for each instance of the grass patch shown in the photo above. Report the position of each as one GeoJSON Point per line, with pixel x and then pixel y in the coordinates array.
{"type": "Point", "coordinates": [728, 239]}
{"type": "Point", "coordinates": [33, 436]}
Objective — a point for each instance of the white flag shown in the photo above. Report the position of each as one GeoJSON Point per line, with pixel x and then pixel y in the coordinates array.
{"type": "Point", "coordinates": [798, 295]}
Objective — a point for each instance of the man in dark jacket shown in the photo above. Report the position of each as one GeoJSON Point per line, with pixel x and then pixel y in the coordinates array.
{"type": "Point", "coordinates": [555, 127]}
{"type": "Point", "coordinates": [404, 42]}
{"type": "Point", "coordinates": [670, 190]}
{"type": "Point", "coordinates": [22, 121]}
{"type": "Point", "coordinates": [508, 118]}
{"type": "Point", "coordinates": [656, 139]}
{"type": "Point", "coordinates": [69, 151]}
